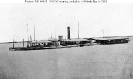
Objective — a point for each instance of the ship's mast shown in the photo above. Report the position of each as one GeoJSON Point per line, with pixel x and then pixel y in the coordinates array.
{"type": "Point", "coordinates": [51, 34]}
{"type": "Point", "coordinates": [34, 31]}
{"type": "Point", "coordinates": [78, 29]}
{"type": "Point", "coordinates": [23, 43]}
{"type": "Point", "coordinates": [28, 36]}
{"type": "Point", "coordinates": [103, 33]}
{"type": "Point", "coordinates": [55, 34]}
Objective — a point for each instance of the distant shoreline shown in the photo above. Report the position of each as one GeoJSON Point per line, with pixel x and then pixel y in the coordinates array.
{"type": "Point", "coordinates": [91, 37]}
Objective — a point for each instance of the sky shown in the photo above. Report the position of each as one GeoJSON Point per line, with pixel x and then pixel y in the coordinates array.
{"type": "Point", "coordinates": [17, 20]}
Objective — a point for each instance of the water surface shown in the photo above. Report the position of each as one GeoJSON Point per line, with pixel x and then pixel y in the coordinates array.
{"type": "Point", "coordinates": [91, 62]}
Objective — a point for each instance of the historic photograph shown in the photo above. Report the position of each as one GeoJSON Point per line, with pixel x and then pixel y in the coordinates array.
{"type": "Point", "coordinates": [66, 41]}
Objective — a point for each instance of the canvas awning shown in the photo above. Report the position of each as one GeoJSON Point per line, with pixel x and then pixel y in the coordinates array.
{"type": "Point", "coordinates": [41, 41]}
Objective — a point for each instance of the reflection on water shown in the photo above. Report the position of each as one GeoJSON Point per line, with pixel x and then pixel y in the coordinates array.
{"type": "Point", "coordinates": [92, 62]}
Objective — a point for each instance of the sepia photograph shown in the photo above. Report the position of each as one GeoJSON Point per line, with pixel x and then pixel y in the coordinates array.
{"type": "Point", "coordinates": [59, 39]}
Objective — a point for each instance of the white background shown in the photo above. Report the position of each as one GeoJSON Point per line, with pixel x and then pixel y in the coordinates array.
{"type": "Point", "coordinates": [115, 18]}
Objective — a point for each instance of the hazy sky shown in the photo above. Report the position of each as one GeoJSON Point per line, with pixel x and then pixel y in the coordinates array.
{"type": "Point", "coordinates": [115, 19]}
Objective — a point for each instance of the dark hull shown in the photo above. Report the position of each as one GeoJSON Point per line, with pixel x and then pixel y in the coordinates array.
{"type": "Point", "coordinates": [35, 48]}
{"type": "Point", "coordinates": [112, 41]}
{"type": "Point", "coordinates": [29, 48]}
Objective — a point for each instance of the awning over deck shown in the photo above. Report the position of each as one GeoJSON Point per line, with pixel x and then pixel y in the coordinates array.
{"type": "Point", "coordinates": [41, 41]}
{"type": "Point", "coordinates": [76, 40]}
{"type": "Point", "coordinates": [110, 38]}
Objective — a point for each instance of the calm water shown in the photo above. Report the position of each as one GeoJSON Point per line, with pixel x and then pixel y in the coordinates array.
{"type": "Point", "coordinates": [92, 62]}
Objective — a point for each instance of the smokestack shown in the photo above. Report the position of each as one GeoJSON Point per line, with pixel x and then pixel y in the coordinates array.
{"type": "Point", "coordinates": [68, 32]}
